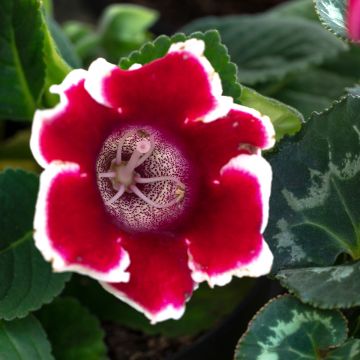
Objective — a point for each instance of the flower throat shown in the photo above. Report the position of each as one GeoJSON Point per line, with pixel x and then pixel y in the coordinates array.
{"type": "Point", "coordinates": [144, 179]}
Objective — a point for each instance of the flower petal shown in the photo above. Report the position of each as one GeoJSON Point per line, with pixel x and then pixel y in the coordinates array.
{"type": "Point", "coordinates": [72, 229]}
{"type": "Point", "coordinates": [75, 129]}
{"type": "Point", "coordinates": [160, 280]}
{"type": "Point", "coordinates": [225, 239]}
{"type": "Point", "coordinates": [178, 87]}
{"type": "Point", "coordinates": [353, 19]}
{"type": "Point", "coordinates": [242, 130]}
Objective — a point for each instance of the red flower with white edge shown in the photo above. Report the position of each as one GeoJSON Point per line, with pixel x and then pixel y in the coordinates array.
{"type": "Point", "coordinates": [153, 180]}
{"type": "Point", "coordinates": [353, 19]}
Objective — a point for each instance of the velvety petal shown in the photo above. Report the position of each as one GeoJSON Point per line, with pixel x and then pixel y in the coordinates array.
{"type": "Point", "coordinates": [242, 130]}
{"type": "Point", "coordinates": [225, 238]}
{"type": "Point", "coordinates": [181, 86]}
{"type": "Point", "coordinates": [75, 129]}
{"type": "Point", "coordinates": [72, 229]}
{"type": "Point", "coordinates": [160, 280]}
{"type": "Point", "coordinates": [353, 19]}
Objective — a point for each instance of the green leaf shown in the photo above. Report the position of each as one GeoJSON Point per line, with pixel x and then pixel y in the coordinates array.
{"type": "Point", "coordinates": [22, 67]}
{"type": "Point", "coordinates": [85, 40]}
{"type": "Point", "coordinates": [74, 333]}
{"type": "Point", "coordinates": [124, 28]}
{"type": "Point", "coordinates": [48, 6]}
{"type": "Point", "coordinates": [306, 93]}
{"type": "Point", "coordinates": [286, 120]}
{"type": "Point", "coordinates": [215, 52]}
{"type": "Point", "coordinates": [26, 280]}
{"type": "Point", "coordinates": [299, 8]}
{"type": "Point", "coordinates": [315, 212]}
{"type": "Point", "coordinates": [349, 351]}
{"type": "Point", "coordinates": [15, 153]}
{"type": "Point", "coordinates": [261, 57]}
{"type": "Point", "coordinates": [62, 43]}
{"type": "Point", "coordinates": [324, 287]}
{"type": "Point", "coordinates": [287, 329]}
{"type": "Point", "coordinates": [23, 340]}
{"type": "Point", "coordinates": [205, 308]}
{"type": "Point", "coordinates": [332, 15]}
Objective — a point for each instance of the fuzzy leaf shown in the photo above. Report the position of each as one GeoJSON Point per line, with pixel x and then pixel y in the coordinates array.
{"type": "Point", "coordinates": [306, 93]}
{"type": "Point", "coordinates": [215, 52]}
{"type": "Point", "coordinates": [315, 212]}
{"type": "Point", "coordinates": [324, 287]}
{"type": "Point", "coordinates": [23, 339]}
{"type": "Point", "coordinates": [261, 57]}
{"type": "Point", "coordinates": [74, 333]}
{"type": "Point", "coordinates": [26, 279]}
{"type": "Point", "coordinates": [298, 8]}
{"type": "Point", "coordinates": [286, 120]}
{"type": "Point", "coordinates": [332, 15]}
{"type": "Point", "coordinates": [287, 329]}
{"type": "Point", "coordinates": [22, 67]}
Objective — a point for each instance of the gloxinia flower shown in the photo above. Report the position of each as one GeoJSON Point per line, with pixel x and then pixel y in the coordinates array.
{"type": "Point", "coordinates": [353, 19]}
{"type": "Point", "coordinates": [153, 180]}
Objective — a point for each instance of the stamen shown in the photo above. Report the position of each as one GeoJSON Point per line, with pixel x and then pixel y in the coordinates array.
{"type": "Point", "coordinates": [107, 174]}
{"type": "Point", "coordinates": [120, 146]}
{"type": "Point", "coordinates": [160, 178]}
{"type": "Point", "coordinates": [143, 197]}
{"type": "Point", "coordinates": [117, 195]}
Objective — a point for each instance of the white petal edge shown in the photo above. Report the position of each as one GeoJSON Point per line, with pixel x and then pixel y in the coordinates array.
{"type": "Point", "coordinates": [259, 168]}
{"type": "Point", "coordinates": [264, 119]}
{"type": "Point", "coordinates": [168, 312]}
{"type": "Point", "coordinates": [99, 70]}
{"type": "Point", "coordinates": [197, 48]}
{"type": "Point", "coordinates": [42, 116]}
{"type": "Point", "coordinates": [259, 266]}
{"type": "Point", "coordinates": [43, 242]}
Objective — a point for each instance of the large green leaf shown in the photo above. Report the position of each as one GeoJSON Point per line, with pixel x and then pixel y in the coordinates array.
{"type": "Point", "coordinates": [332, 14]}
{"type": "Point", "coordinates": [286, 120]}
{"type": "Point", "coordinates": [299, 8]}
{"type": "Point", "coordinates": [26, 280]}
{"type": "Point", "coordinates": [215, 52]}
{"type": "Point", "coordinates": [305, 92]}
{"type": "Point", "coordinates": [23, 340]}
{"type": "Point", "coordinates": [74, 333]}
{"type": "Point", "coordinates": [315, 212]}
{"type": "Point", "coordinates": [62, 44]}
{"type": "Point", "coordinates": [204, 309]}
{"type": "Point", "coordinates": [324, 287]}
{"type": "Point", "coordinates": [268, 47]}
{"type": "Point", "coordinates": [22, 67]}
{"type": "Point", "coordinates": [287, 329]}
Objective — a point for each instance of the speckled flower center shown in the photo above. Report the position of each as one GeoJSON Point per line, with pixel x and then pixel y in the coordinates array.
{"type": "Point", "coordinates": [144, 179]}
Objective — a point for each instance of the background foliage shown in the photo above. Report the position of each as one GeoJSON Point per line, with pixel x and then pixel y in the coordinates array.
{"type": "Point", "coordinates": [303, 73]}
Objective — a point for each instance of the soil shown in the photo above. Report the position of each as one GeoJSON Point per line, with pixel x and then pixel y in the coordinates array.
{"type": "Point", "coordinates": [126, 344]}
